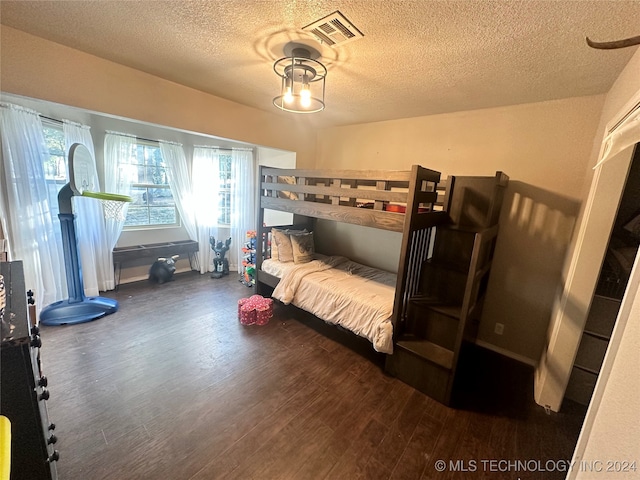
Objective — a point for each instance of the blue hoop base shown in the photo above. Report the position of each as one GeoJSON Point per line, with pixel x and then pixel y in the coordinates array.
{"type": "Point", "coordinates": [66, 312]}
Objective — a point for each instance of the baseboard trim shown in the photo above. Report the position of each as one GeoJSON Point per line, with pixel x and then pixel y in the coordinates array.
{"type": "Point", "coordinates": [507, 353]}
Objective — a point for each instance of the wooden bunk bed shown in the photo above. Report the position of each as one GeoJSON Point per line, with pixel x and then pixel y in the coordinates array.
{"type": "Point", "coordinates": [416, 205]}
{"type": "Point", "coordinates": [400, 201]}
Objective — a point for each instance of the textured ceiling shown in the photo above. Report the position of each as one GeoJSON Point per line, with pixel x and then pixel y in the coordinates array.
{"type": "Point", "coordinates": [416, 58]}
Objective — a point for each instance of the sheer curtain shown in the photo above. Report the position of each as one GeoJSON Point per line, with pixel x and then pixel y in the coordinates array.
{"type": "Point", "coordinates": [243, 194]}
{"type": "Point", "coordinates": [27, 220]}
{"type": "Point", "coordinates": [119, 149]}
{"type": "Point", "coordinates": [90, 230]}
{"type": "Point", "coordinates": [205, 178]}
{"type": "Point", "coordinates": [180, 184]}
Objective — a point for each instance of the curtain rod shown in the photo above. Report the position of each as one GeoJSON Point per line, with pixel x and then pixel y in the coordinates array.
{"type": "Point", "coordinates": [50, 119]}
{"type": "Point", "coordinates": [151, 140]}
{"type": "Point", "coordinates": [622, 120]}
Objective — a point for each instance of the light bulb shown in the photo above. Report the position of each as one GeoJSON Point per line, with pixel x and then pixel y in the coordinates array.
{"type": "Point", "coordinates": [305, 100]}
{"type": "Point", "coordinates": [305, 92]}
{"type": "Point", "coordinates": [288, 94]}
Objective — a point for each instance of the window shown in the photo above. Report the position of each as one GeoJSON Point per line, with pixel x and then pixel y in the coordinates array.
{"type": "Point", "coordinates": [55, 167]}
{"type": "Point", "coordinates": [153, 204]}
{"type": "Point", "coordinates": [224, 204]}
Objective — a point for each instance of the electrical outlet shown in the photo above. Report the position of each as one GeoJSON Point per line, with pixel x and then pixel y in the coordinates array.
{"type": "Point", "coordinates": [499, 329]}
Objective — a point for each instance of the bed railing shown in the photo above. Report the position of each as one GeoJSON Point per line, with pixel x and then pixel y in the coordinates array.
{"type": "Point", "coordinates": [373, 198]}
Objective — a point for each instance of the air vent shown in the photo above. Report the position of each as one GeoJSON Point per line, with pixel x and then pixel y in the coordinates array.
{"type": "Point", "coordinates": [334, 30]}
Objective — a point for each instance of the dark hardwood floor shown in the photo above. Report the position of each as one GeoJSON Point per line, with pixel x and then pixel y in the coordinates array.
{"type": "Point", "coordinates": [173, 387]}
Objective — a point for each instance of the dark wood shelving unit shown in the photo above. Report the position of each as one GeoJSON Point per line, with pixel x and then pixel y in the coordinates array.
{"type": "Point", "coordinates": [593, 346]}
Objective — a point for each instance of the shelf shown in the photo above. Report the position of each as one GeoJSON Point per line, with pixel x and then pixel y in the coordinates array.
{"type": "Point", "coordinates": [597, 335]}
{"type": "Point", "coordinates": [437, 305]}
{"type": "Point", "coordinates": [602, 316]}
{"type": "Point", "coordinates": [427, 350]}
{"type": "Point", "coordinates": [581, 385]}
{"type": "Point", "coordinates": [450, 310]}
{"type": "Point", "coordinates": [586, 369]}
{"type": "Point", "coordinates": [591, 353]}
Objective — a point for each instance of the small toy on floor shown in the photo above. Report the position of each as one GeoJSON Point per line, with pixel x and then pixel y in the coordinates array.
{"type": "Point", "coordinates": [255, 310]}
{"type": "Point", "coordinates": [163, 269]}
{"type": "Point", "coordinates": [220, 264]}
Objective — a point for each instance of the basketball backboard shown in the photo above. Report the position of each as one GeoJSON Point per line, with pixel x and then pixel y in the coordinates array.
{"type": "Point", "coordinates": [81, 168]}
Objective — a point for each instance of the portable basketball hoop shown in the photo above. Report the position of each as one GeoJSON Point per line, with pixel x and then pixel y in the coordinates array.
{"type": "Point", "coordinates": [78, 308]}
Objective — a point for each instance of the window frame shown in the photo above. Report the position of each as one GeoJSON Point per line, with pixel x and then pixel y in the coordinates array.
{"type": "Point", "coordinates": [148, 186]}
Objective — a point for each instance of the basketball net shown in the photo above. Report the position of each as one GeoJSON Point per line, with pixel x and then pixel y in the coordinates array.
{"type": "Point", "coordinates": [112, 204]}
{"type": "Point", "coordinates": [113, 210]}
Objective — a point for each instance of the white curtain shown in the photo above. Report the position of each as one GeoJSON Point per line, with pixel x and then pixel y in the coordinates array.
{"type": "Point", "coordinates": [27, 220]}
{"type": "Point", "coordinates": [119, 150]}
{"type": "Point", "coordinates": [180, 184]}
{"type": "Point", "coordinates": [97, 274]}
{"type": "Point", "coordinates": [205, 178]}
{"type": "Point", "coordinates": [243, 203]}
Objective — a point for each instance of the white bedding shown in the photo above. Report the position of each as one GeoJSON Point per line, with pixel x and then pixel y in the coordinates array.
{"type": "Point", "coordinates": [342, 292]}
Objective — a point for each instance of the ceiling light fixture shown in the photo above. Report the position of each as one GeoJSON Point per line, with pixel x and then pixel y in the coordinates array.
{"type": "Point", "coordinates": [303, 82]}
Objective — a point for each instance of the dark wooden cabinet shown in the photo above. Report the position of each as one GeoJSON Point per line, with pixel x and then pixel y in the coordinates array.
{"type": "Point", "coordinates": [24, 390]}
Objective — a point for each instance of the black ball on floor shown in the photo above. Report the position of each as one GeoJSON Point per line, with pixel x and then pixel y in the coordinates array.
{"type": "Point", "coordinates": [162, 270]}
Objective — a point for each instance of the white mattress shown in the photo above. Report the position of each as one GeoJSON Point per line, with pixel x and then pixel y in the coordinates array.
{"type": "Point", "coordinates": [355, 296]}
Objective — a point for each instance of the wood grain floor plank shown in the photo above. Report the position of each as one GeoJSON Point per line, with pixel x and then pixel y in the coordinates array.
{"type": "Point", "coordinates": [401, 430]}
{"type": "Point", "coordinates": [255, 439]}
{"type": "Point", "coordinates": [354, 461]}
{"type": "Point", "coordinates": [284, 444]}
{"type": "Point", "coordinates": [417, 455]}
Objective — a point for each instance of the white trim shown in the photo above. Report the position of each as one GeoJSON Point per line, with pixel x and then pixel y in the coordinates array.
{"type": "Point", "coordinates": [506, 353]}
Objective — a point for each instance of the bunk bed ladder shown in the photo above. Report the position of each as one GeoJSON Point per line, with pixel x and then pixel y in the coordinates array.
{"type": "Point", "coordinates": [443, 296]}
